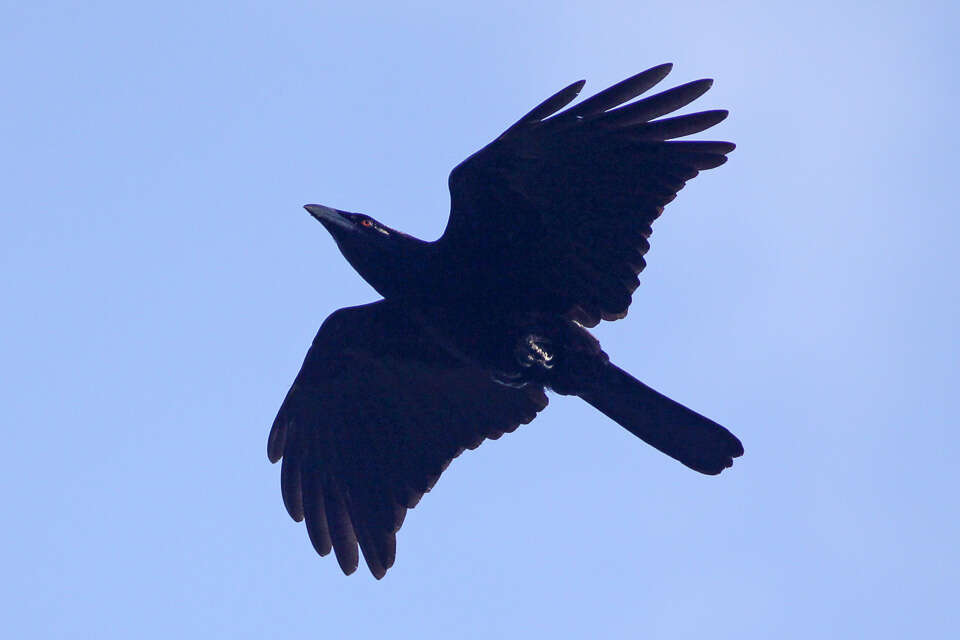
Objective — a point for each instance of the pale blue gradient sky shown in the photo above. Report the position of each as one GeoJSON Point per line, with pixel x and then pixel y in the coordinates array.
{"type": "Point", "coordinates": [161, 285]}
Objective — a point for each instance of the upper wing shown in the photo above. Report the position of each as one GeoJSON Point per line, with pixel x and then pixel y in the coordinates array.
{"type": "Point", "coordinates": [564, 204]}
{"type": "Point", "coordinates": [375, 415]}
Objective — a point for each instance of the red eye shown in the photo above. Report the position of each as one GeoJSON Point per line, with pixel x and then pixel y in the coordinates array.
{"type": "Point", "coordinates": [366, 223]}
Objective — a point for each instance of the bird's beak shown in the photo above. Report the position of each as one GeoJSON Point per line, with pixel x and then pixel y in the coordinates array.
{"type": "Point", "coordinates": [329, 216]}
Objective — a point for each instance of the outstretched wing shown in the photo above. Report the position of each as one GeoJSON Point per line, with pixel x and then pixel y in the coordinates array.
{"type": "Point", "coordinates": [375, 415]}
{"type": "Point", "coordinates": [565, 204]}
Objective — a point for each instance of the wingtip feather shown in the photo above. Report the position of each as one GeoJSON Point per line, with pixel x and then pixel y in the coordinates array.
{"type": "Point", "coordinates": [549, 106]}
{"type": "Point", "coordinates": [678, 126]}
{"type": "Point", "coordinates": [276, 439]}
{"type": "Point", "coordinates": [621, 92]}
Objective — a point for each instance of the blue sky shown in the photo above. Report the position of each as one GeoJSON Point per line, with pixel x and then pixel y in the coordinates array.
{"type": "Point", "coordinates": [162, 283]}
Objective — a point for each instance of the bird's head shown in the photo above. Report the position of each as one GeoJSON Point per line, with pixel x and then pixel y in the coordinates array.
{"type": "Point", "coordinates": [383, 256]}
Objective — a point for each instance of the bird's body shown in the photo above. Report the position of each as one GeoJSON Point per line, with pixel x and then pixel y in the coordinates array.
{"type": "Point", "coordinates": [547, 233]}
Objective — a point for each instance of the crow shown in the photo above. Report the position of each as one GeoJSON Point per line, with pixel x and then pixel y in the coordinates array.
{"type": "Point", "coordinates": [548, 229]}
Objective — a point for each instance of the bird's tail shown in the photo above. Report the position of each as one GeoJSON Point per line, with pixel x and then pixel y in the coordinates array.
{"type": "Point", "coordinates": [682, 434]}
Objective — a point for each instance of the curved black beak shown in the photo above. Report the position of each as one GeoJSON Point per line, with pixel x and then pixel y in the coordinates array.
{"type": "Point", "coordinates": [329, 216]}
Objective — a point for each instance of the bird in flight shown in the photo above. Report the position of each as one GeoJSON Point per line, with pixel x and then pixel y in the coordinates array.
{"type": "Point", "coordinates": [548, 229]}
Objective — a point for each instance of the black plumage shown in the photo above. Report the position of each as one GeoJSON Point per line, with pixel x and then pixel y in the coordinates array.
{"type": "Point", "coordinates": [547, 233]}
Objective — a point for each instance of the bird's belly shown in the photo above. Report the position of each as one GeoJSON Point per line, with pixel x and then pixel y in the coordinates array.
{"type": "Point", "coordinates": [516, 348]}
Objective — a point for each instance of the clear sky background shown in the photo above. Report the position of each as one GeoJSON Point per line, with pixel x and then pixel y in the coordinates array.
{"type": "Point", "coordinates": [160, 286]}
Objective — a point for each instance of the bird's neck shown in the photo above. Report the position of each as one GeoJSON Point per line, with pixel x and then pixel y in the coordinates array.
{"type": "Point", "coordinates": [412, 272]}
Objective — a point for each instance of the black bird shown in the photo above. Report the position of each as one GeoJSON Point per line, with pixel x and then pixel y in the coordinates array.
{"type": "Point", "coordinates": [547, 232]}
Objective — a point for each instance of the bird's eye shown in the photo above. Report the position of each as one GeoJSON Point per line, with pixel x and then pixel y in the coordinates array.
{"type": "Point", "coordinates": [366, 223]}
